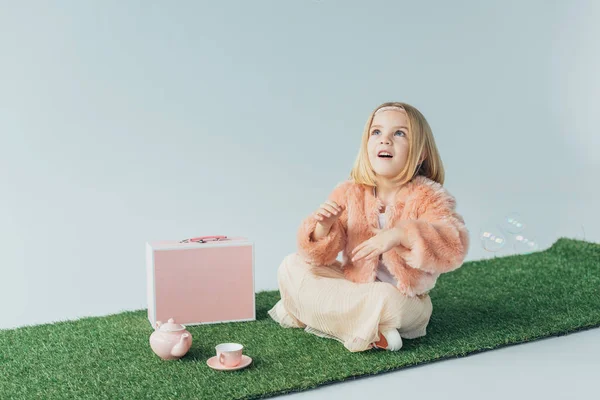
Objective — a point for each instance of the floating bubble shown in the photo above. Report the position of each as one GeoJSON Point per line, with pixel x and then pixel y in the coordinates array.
{"type": "Point", "coordinates": [512, 223]}
{"type": "Point", "coordinates": [581, 236]}
{"type": "Point", "coordinates": [492, 239]}
{"type": "Point", "coordinates": [524, 244]}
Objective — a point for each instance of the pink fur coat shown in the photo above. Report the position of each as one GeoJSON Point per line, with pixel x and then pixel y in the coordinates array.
{"type": "Point", "coordinates": [436, 239]}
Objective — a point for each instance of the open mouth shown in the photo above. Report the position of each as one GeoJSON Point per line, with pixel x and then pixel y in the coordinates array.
{"type": "Point", "coordinates": [384, 155]}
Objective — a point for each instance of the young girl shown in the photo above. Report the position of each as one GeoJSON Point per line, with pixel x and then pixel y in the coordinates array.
{"type": "Point", "coordinates": [398, 229]}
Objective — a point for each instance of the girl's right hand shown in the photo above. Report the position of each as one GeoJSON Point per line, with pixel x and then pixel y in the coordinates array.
{"type": "Point", "coordinates": [328, 213]}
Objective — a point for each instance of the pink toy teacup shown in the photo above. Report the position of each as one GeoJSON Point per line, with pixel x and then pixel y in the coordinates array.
{"type": "Point", "coordinates": [229, 354]}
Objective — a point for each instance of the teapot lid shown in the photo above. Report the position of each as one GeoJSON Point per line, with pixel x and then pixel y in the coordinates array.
{"type": "Point", "coordinates": [171, 326]}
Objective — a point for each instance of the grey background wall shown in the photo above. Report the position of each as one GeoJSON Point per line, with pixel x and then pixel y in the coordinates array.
{"type": "Point", "coordinates": [126, 122]}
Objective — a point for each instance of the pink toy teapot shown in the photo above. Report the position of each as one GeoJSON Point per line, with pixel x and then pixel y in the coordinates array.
{"type": "Point", "coordinates": [170, 341]}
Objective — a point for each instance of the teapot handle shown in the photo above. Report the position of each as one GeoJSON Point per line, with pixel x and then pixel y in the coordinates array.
{"type": "Point", "coordinates": [157, 325]}
{"type": "Point", "coordinates": [202, 239]}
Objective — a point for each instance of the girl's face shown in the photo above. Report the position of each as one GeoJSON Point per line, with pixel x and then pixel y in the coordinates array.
{"type": "Point", "coordinates": [388, 133]}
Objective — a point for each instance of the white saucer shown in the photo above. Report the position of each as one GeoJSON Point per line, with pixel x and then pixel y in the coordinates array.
{"type": "Point", "coordinates": [214, 363]}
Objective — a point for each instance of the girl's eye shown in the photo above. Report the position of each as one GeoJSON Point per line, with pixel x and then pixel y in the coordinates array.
{"type": "Point", "coordinates": [377, 130]}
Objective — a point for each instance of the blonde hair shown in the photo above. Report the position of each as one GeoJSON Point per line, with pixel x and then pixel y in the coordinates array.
{"type": "Point", "coordinates": [421, 144]}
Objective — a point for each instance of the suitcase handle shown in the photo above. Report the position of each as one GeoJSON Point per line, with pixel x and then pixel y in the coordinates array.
{"type": "Point", "coordinates": [203, 239]}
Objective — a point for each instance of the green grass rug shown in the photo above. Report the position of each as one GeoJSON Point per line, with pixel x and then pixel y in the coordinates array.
{"type": "Point", "coordinates": [484, 305]}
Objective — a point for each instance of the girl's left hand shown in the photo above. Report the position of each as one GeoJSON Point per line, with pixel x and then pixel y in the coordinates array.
{"type": "Point", "coordinates": [384, 240]}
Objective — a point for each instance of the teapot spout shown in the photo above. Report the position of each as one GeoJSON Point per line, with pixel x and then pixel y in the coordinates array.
{"type": "Point", "coordinates": [181, 348]}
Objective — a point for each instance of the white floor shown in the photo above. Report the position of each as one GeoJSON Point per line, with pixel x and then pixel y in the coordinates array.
{"type": "Point", "coordinates": [553, 368]}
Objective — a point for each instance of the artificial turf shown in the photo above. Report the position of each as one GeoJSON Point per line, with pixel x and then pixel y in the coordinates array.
{"type": "Point", "coordinates": [483, 305]}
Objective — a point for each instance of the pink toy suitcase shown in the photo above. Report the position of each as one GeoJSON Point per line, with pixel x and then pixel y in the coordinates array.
{"type": "Point", "coordinates": [201, 280]}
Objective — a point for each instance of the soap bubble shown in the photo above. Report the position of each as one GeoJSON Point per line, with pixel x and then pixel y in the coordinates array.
{"type": "Point", "coordinates": [507, 233]}
{"type": "Point", "coordinates": [492, 239]}
{"type": "Point", "coordinates": [524, 245]}
{"type": "Point", "coordinates": [512, 223]}
{"type": "Point", "coordinates": [581, 236]}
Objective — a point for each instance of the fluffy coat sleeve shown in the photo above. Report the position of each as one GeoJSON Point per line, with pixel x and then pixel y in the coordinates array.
{"type": "Point", "coordinates": [325, 250]}
{"type": "Point", "coordinates": [437, 241]}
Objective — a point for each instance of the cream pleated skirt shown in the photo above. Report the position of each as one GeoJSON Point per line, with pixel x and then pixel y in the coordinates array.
{"type": "Point", "coordinates": [351, 313]}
